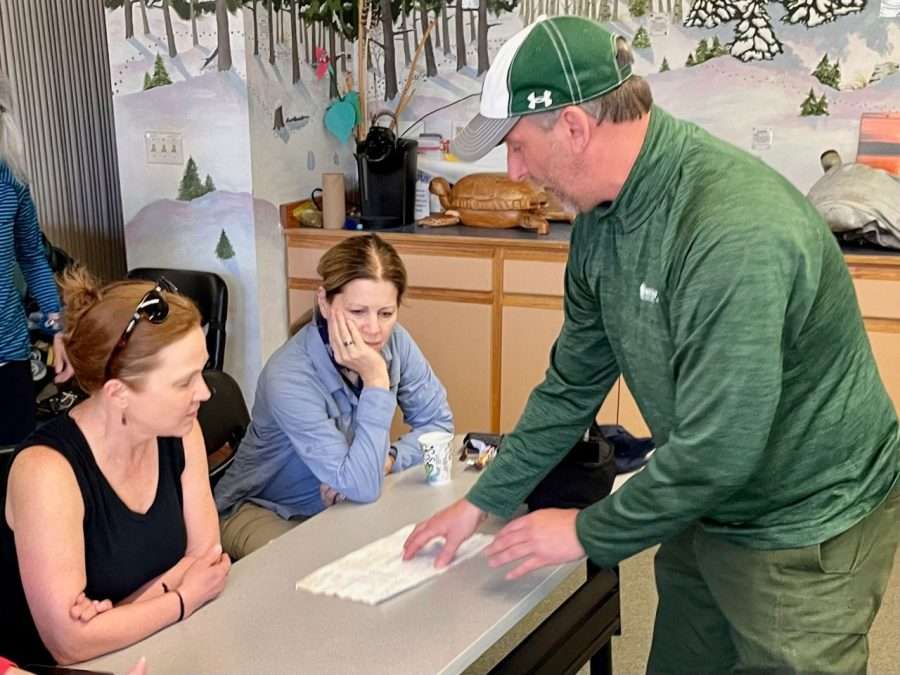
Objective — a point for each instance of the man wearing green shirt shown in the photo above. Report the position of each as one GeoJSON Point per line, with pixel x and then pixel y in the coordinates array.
{"type": "Point", "coordinates": [714, 288]}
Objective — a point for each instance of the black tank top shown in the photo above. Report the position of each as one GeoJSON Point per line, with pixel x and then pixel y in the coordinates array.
{"type": "Point", "coordinates": [123, 550]}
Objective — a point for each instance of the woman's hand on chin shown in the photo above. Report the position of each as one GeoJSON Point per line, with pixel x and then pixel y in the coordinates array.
{"type": "Point", "coordinates": [351, 351]}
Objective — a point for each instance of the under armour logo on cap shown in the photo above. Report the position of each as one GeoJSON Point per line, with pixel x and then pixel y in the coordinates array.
{"type": "Point", "coordinates": [534, 100]}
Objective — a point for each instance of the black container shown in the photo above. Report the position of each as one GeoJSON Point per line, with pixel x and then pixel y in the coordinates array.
{"type": "Point", "coordinates": [387, 179]}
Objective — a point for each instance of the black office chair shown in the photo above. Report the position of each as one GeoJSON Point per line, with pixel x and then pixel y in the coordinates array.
{"type": "Point", "coordinates": [224, 419]}
{"type": "Point", "coordinates": [209, 292]}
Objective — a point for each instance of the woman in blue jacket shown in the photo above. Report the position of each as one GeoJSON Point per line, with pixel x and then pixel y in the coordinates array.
{"type": "Point", "coordinates": [20, 242]}
{"type": "Point", "coordinates": [325, 401]}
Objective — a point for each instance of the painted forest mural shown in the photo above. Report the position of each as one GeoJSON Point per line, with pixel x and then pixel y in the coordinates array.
{"type": "Point", "coordinates": [245, 87]}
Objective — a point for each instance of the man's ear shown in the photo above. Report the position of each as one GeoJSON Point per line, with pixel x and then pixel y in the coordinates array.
{"type": "Point", "coordinates": [578, 127]}
{"type": "Point", "coordinates": [324, 305]}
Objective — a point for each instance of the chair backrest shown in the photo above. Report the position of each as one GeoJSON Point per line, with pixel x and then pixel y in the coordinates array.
{"type": "Point", "coordinates": [224, 418]}
{"type": "Point", "coordinates": [209, 292]}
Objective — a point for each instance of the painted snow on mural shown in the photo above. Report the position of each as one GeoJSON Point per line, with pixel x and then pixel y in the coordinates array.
{"type": "Point", "coordinates": [197, 227]}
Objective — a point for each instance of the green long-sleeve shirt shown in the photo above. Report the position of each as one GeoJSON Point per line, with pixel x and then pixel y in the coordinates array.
{"type": "Point", "coordinates": [717, 291]}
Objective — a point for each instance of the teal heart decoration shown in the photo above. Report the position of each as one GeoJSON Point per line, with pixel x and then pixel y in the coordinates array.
{"type": "Point", "coordinates": [340, 118]}
{"type": "Point", "coordinates": [353, 98]}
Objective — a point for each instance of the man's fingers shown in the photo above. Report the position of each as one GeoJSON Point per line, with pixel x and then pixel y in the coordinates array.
{"type": "Point", "coordinates": [529, 565]}
{"type": "Point", "coordinates": [448, 551]}
{"type": "Point", "coordinates": [420, 536]}
{"type": "Point", "coordinates": [516, 525]}
{"type": "Point", "coordinates": [504, 540]}
{"type": "Point", "coordinates": [509, 554]}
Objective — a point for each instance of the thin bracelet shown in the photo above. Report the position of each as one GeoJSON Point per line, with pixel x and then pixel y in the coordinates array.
{"type": "Point", "coordinates": [180, 604]}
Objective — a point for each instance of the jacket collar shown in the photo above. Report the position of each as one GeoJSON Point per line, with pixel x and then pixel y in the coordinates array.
{"type": "Point", "coordinates": [653, 170]}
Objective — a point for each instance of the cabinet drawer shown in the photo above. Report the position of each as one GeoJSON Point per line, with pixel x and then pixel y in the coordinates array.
{"type": "Point", "coordinates": [878, 298]}
{"type": "Point", "coordinates": [534, 277]}
{"type": "Point", "coordinates": [302, 262]}
{"type": "Point", "coordinates": [423, 271]}
{"type": "Point", "coordinates": [433, 271]}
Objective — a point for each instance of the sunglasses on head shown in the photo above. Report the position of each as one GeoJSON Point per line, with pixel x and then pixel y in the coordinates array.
{"type": "Point", "coordinates": [153, 307]}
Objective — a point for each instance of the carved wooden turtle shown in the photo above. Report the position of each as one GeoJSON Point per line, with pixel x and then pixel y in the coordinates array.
{"type": "Point", "coordinates": [493, 200]}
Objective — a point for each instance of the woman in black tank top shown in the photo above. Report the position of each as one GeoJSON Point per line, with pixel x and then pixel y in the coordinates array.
{"type": "Point", "coordinates": [108, 531]}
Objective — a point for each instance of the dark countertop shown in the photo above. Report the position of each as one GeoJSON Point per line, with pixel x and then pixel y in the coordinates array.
{"type": "Point", "coordinates": [558, 232]}
{"type": "Point", "coordinates": [853, 249]}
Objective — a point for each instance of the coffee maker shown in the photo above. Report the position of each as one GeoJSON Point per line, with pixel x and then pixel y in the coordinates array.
{"type": "Point", "coordinates": [387, 177]}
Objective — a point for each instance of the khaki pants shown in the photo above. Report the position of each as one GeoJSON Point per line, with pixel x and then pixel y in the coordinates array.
{"type": "Point", "coordinates": [725, 608]}
{"type": "Point", "coordinates": [250, 527]}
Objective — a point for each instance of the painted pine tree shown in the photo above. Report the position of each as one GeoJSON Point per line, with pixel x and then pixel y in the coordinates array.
{"type": "Point", "coordinates": [191, 187]}
{"type": "Point", "coordinates": [224, 249]}
{"type": "Point", "coordinates": [641, 39]}
{"type": "Point", "coordinates": [160, 75]}
{"type": "Point", "coordinates": [701, 54]}
{"type": "Point", "coordinates": [754, 33]}
{"type": "Point", "coordinates": [717, 49]}
{"type": "Point", "coordinates": [813, 106]}
{"type": "Point", "coordinates": [637, 8]}
{"type": "Point", "coordinates": [664, 68]}
{"type": "Point", "coordinates": [208, 185]}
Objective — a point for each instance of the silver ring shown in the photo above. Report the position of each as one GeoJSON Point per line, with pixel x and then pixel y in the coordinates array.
{"type": "Point", "coordinates": [347, 343]}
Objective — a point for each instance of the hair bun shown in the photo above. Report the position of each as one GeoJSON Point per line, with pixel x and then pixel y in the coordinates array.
{"type": "Point", "coordinates": [80, 292]}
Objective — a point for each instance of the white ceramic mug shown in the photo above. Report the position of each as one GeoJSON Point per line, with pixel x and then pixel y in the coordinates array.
{"type": "Point", "coordinates": [435, 446]}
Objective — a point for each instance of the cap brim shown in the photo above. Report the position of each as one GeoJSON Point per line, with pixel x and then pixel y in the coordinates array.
{"type": "Point", "coordinates": [480, 136]}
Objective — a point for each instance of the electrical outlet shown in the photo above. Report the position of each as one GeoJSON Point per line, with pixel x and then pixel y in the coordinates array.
{"type": "Point", "coordinates": [763, 138]}
{"type": "Point", "coordinates": [659, 25]}
{"type": "Point", "coordinates": [163, 147]}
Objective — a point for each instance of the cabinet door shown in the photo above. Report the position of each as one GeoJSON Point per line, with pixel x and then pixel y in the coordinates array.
{"type": "Point", "coordinates": [886, 347]}
{"type": "Point", "coordinates": [456, 339]}
{"type": "Point", "coordinates": [528, 335]}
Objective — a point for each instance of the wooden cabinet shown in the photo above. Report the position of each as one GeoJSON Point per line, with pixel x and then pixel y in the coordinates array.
{"type": "Point", "coordinates": [485, 310]}
{"type": "Point", "coordinates": [528, 335]}
{"type": "Point", "coordinates": [877, 282]}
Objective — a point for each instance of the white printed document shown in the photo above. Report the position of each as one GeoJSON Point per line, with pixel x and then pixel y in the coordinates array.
{"type": "Point", "coordinates": [377, 572]}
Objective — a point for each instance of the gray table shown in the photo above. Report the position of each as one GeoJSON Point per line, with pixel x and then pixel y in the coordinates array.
{"type": "Point", "coordinates": [261, 624]}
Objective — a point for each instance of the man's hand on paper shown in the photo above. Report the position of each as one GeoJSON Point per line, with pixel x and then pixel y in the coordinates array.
{"type": "Point", "coordinates": [455, 524]}
{"type": "Point", "coordinates": [545, 537]}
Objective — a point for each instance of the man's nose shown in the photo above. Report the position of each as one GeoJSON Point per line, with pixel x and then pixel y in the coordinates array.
{"type": "Point", "coordinates": [515, 167]}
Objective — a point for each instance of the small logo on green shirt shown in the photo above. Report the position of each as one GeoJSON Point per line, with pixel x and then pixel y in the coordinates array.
{"type": "Point", "coordinates": [649, 294]}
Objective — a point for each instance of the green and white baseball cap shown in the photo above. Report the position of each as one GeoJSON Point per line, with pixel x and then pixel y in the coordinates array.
{"type": "Point", "coordinates": [550, 64]}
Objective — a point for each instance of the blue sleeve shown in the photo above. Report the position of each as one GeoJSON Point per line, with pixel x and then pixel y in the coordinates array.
{"type": "Point", "coordinates": [30, 252]}
{"type": "Point", "coordinates": [354, 469]}
{"type": "Point", "coordinates": [422, 399]}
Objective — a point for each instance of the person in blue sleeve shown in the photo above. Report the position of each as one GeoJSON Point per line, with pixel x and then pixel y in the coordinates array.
{"type": "Point", "coordinates": [20, 242]}
{"type": "Point", "coordinates": [320, 430]}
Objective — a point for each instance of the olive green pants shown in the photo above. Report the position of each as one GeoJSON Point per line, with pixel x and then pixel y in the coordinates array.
{"type": "Point", "coordinates": [250, 527]}
{"type": "Point", "coordinates": [728, 609]}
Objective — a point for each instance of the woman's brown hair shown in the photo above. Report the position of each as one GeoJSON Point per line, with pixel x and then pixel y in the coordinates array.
{"type": "Point", "coordinates": [363, 257]}
{"type": "Point", "coordinates": [96, 317]}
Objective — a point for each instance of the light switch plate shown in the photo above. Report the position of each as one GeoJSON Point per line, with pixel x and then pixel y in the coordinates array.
{"type": "Point", "coordinates": [163, 147]}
